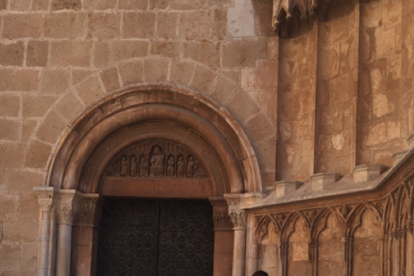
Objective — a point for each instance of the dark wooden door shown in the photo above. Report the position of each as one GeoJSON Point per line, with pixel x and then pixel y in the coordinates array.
{"type": "Point", "coordinates": [146, 237]}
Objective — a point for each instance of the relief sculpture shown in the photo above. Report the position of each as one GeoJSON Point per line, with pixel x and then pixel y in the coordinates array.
{"type": "Point", "coordinates": [157, 159]}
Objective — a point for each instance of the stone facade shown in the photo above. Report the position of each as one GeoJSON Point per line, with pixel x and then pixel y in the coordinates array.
{"type": "Point", "coordinates": [301, 114]}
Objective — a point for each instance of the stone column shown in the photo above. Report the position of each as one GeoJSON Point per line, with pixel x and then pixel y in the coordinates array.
{"type": "Point", "coordinates": [223, 237]}
{"type": "Point", "coordinates": [45, 260]}
{"type": "Point", "coordinates": [239, 219]}
{"type": "Point", "coordinates": [252, 247]}
{"type": "Point", "coordinates": [84, 235]}
{"type": "Point", "coordinates": [66, 207]}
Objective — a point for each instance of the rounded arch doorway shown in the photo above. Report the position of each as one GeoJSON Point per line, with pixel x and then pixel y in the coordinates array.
{"type": "Point", "coordinates": [149, 141]}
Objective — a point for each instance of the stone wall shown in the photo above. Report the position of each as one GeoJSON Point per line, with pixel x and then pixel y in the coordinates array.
{"type": "Point", "coordinates": [59, 57]}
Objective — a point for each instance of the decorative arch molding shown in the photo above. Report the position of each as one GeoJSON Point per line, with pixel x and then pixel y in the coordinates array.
{"type": "Point", "coordinates": [211, 132]}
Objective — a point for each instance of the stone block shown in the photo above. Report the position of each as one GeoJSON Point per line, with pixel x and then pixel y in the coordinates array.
{"type": "Point", "coordinates": [125, 49]}
{"type": "Point", "coordinates": [211, 3]}
{"type": "Point", "coordinates": [398, 156]}
{"type": "Point", "coordinates": [19, 79]}
{"type": "Point", "coordinates": [11, 155]}
{"type": "Point", "coordinates": [36, 106]}
{"type": "Point", "coordinates": [90, 90]}
{"type": "Point", "coordinates": [10, 129]}
{"type": "Point", "coordinates": [9, 256]}
{"type": "Point", "coordinates": [9, 105]}
{"type": "Point", "coordinates": [244, 53]}
{"type": "Point", "coordinates": [138, 25]}
{"type": "Point", "coordinates": [22, 26]}
{"type": "Point", "coordinates": [186, 4]}
{"type": "Point", "coordinates": [166, 49]}
{"type": "Point", "coordinates": [259, 127]}
{"type": "Point", "coordinates": [219, 28]}
{"type": "Point", "coordinates": [196, 25]}
{"type": "Point", "coordinates": [3, 4]}
{"type": "Point", "coordinates": [20, 181]}
{"type": "Point", "coordinates": [54, 81]}
{"type": "Point", "coordinates": [28, 128]}
{"type": "Point", "coordinates": [66, 5]}
{"type": "Point", "coordinates": [134, 4]}
{"type": "Point", "coordinates": [267, 75]}
{"type": "Point", "coordinates": [94, 5]}
{"type": "Point", "coordinates": [181, 72]}
{"type": "Point", "coordinates": [242, 106]}
{"type": "Point", "coordinates": [284, 187]}
{"type": "Point", "coordinates": [79, 75]}
{"type": "Point", "coordinates": [28, 208]}
{"type": "Point", "coordinates": [40, 5]}
{"type": "Point", "coordinates": [110, 79]}
{"type": "Point", "coordinates": [320, 180]}
{"type": "Point", "coordinates": [101, 53]}
{"type": "Point", "coordinates": [8, 205]}
{"type": "Point", "coordinates": [104, 25]}
{"type": "Point", "coordinates": [203, 52]}
{"type": "Point", "coordinates": [28, 256]}
{"type": "Point", "coordinates": [51, 128]}
{"type": "Point", "coordinates": [65, 25]}
{"type": "Point", "coordinates": [156, 70]}
{"type": "Point", "coordinates": [37, 52]}
{"type": "Point", "coordinates": [132, 73]}
{"type": "Point", "coordinates": [203, 79]}
{"type": "Point", "coordinates": [367, 172]}
{"type": "Point", "coordinates": [12, 54]}
{"type": "Point", "coordinates": [20, 232]}
{"type": "Point", "coordinates": [70, 106]}
{"type": "Point", "coordinates": [224, 90]}
{"type": "Point", "coordinates": [37, 155]}
{"type": "Point", "coordinates": [159, 4]}
{"type": "Point", "coordinates": [167, 25]}
{"type": "Point", "coordinates": [75, 53]}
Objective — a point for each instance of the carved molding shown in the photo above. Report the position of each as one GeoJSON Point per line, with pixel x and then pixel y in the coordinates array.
{"type": "Point", "coordinates": [222, 221]}
{"type": "Point", "coordinates": [239, 219]}
{"type": "Point", "coordinates": [156, 159]}
{"type": "Point", "coordinates": [87, 213]}
{"type": "Point", "coordinates": [45, 198]}
{"type": "Point", "coordinates": [67, 205]}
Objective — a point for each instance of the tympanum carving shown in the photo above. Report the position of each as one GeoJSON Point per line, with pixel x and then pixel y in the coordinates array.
{"type": "Point", "coordinates": [156, 159]}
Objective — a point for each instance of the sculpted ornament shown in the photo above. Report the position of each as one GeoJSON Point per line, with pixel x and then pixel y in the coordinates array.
{"type": "Point", "coordinates": [66, 206]}
{"type": "Point", "coordinates": [156, 159]}
{"type": "Point", "coordinates": [239, 219]}
{"type": "Point", "coordinates": [222, 221]}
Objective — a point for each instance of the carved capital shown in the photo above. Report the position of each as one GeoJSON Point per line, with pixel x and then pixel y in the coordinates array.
{"type": "Point", "coordinates": [45, 196]}
{"type": "Point", "coordinates": [222, 221]}
{"type": "Point", "coordinates": [239, 219]}
{"type": "Point", "coordinates": [87, 212]}
{"type": "Point", "coordinates": [66, 205]}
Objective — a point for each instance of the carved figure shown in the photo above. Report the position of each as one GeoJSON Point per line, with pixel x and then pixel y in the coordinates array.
{"type": "Point", "coordinates": [198, 171]}
{"type": "Point", "coordinates": [124, 166]}
{"type": "Point", "coordinates": [180, 167]}
{"type": "Point", "coordinates": [190, 167]}
{"type": "Point", "coordinates": [170, 169]}
{"type": "Point", "coordinates": [156, 167]}
{"type": "Point", "coordinates": [143, 167]}
{"type": "Point", "coordinates": [134, 165]}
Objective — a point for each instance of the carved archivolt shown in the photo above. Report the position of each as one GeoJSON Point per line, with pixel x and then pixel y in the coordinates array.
{"type": "Point", "coordinates": [156, 158]}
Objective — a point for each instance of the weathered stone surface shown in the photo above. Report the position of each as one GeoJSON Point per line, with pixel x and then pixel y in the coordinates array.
{"type": "Point", "coordinates": [196, 25]}
{"type": "Point", "coordinates": [110, 79]}
{"type": "Point", "coordinates": [182, 72]}
{"type": "Point", "coordinates": [104, 25]}
{"type": "Point", "coordinates": [204, 52]}
{"type": "Point", "coordinates": [66, 5]}
{"type": "Point", "coordinates": [243, 53]}
{"type": "Point", "coordinates": [65, 25]}
{"type": "Point", "coordinates": [54, 81]}
{"type": "Point", "coordinates": [28, 128]}
{"type": "Point", "coordinates": [132, 73]}
{"type": "Point", "coordinates": [69, 106]}
{"type": "Point", "coordinates": [133, 4]}
{"type": "Point", "coordinates": [101, 53]}
{"type": "Point", "coordinates": [9, 256]}
{"type": "Point", "coordinates": [22, 26]}
{"type": "Point", "coordinates": [37, 155]}
{"type": "Point", "coordinates": [90, 90]}
{"type": "Point", "coordinates": [167, 25]}
{"type": "Point", "coordinates": [75, 53]}
{"type": "Point", "coordinates": [124, 49]}
{"type": "Point", "coordinates": [18, 79]}
{"type": "Point", "coordinates": [99, 5]}
{"type": "Point", "coordinates": [156, 70]}
{"type": "Point", "coordinates": [166, 49]}
{"type": "Point", "coordinates": [37, 53]}
{"type": "Point", "coordinates": [23, 181]}
{"type": "Point", "coordinates": [9, 105]}
{"type": "Point", "coordinates": [51, 128]}
{"type": "Point", "coordinates": [138, 25]}
{"type": "Point", "coordinates": [36, 106]}
{"type": "Point", "coordinates": [203, 79]}
{"type": "Point", "coordinates": [12, 155]}
{"type": "Point", "coordinates": [10, 129]}
{"type": "Point", "coordinates": [186, 4]}
{"type": "Point", "coordinates": [12, 54]}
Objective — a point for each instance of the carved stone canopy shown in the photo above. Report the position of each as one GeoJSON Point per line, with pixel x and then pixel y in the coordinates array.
{"type": "Point", "coordinates": [156, 159]}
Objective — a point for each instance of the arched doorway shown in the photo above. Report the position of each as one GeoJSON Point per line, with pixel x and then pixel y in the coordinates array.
{"type": "Point", "coordinates": [190, 148]}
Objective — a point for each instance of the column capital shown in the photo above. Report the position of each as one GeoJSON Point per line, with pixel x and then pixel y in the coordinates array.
{"type": "Point", "coordinates": [66, 204]}
{"type": "Point", "coordinates": [45, 197]}
{"type": "Point", "coordinates": [239, 219]}
{"type": "Point", "coordinates": [87, 211]}
{"type": "Point", "coordinates": [221, 218]}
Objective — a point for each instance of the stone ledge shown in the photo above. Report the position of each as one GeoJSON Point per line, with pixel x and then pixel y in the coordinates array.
{"type": "Point", "coordinates": [286, 186]}
{"type": "Point", "coordinates": [367, 172]}
{"type": "Point", "coordinates": [398, 156]}
{"type": "Point", "coordinates": [320, 180]}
